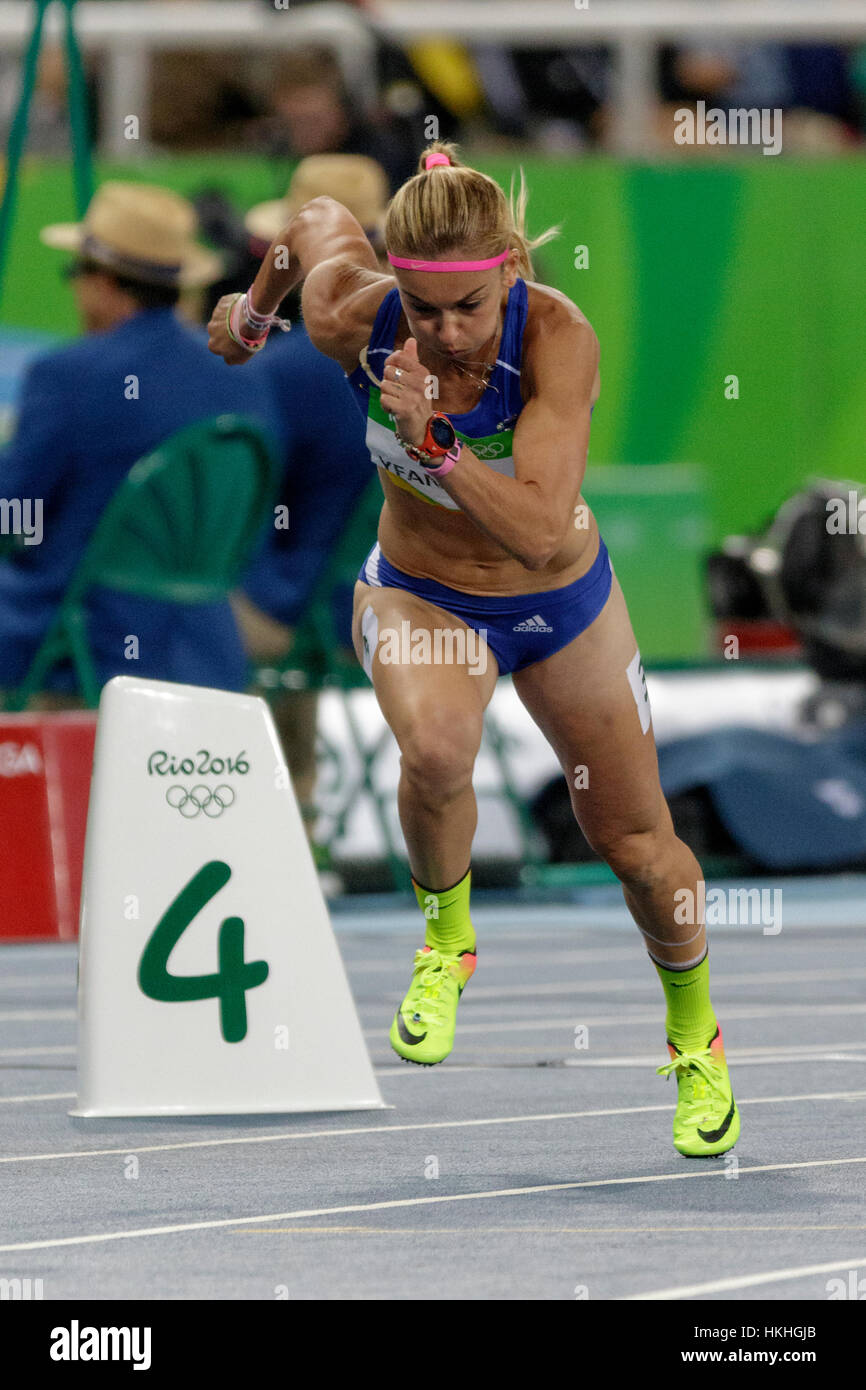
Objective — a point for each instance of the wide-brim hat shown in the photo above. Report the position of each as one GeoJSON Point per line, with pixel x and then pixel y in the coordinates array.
{"type": "Point", "coordinates": [141, 231]}
{"type": "Point", "coordinates": [355, 180]}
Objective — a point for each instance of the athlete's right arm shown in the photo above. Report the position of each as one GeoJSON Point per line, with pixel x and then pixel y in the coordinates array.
{"type": "Point", "coordinates": [326, 248]}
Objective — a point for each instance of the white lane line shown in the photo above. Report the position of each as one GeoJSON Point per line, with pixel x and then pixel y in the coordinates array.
{"type": "Point", "coordinates": [626, 1019]}
{"type": "Point", "coordinates": [747, 1281]}
{"type": "Point", "coordinates": [25, 950]}
{"type": "Point", "coordinates": [742, 1057]}
{"type": "Point", "coordinates": [496, 954]}
{"type": "Point", "coordinates": [512, 922]}
{"type": "Point", "coordinates": [35, 981]}
{"type": "Point", "coordinates": [67, 1014]}
{"type": "Point", "coordinates": [223, 1222]}
{"type": "Point", "coordinates": [37, 1051]}
{"type": "Point", "coordinates": [635, 1062]}
{"type": "Point", "coordinates": [531, 1025]}
{"type": "Point", "coordinates": [387, 1070]}
{"type": "Point", "coordinates": [35, 1015]}
{"type": "Point", "coordinates": [39, 1095]}
{"type": "Point", "coordinates": [619, 985]}
{"type": "Point", "coordinates": [589, 955]}
{"type": "Point", "coordinates": [421, 1125]}
{"type": "Point", "coordinates": [403, 1070]}
{"type": "Point", "coordinates": [626, 1063]}
{"type": "Point", "coordinates": [336, 1133]}
{"type": "Point", "coordinates": [529, 1230]}
{"type": "Point", "coordinates": [622, 1019]}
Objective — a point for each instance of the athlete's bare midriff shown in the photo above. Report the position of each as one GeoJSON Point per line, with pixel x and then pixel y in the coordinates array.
{"type": "Point", "coordinates": [449, 549]}
{"type": "Point", "coordinates": [432, 542]}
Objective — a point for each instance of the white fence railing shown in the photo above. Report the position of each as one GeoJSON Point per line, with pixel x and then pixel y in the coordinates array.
{"type": "Point", "coordinates": [130, 34]}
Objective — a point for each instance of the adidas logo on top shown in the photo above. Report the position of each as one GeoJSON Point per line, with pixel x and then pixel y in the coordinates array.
{"type": "Point", "coordinates": [536, 624]}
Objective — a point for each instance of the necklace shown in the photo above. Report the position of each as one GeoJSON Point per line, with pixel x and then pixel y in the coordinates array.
{"type": "Point", "coordinates": [482, 381]}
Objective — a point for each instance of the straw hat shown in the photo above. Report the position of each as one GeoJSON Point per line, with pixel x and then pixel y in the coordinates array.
{"type": "Point", "coordinates": [356, 181]}
{"type": "Point", "coordinates": [142, 231]}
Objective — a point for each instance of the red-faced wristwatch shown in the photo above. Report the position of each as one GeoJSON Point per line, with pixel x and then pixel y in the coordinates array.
{"type": "Point", "coordinates": [440, 442]}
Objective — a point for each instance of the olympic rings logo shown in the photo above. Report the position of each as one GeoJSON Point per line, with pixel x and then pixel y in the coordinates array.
{"type": "Point", "coordinates": [212, 800]}
{"type": "Point", "coordinates": [489, 451]}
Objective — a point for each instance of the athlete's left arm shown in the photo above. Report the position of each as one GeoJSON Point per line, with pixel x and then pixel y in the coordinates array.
{"type": "Point", "coordinates": [530, 514]}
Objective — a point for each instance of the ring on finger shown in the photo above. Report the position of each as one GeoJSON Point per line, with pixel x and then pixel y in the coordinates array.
{"type": "Point", "coordinates": [398, 372]}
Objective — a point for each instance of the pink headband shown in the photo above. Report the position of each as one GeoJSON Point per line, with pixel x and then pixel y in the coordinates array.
{"type": "Point", "coordinates": [437, 157]}
{"type": "Point", "coordinates": [403, 264]}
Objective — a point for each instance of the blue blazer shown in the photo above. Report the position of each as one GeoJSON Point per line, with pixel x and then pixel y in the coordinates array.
{"type": "Point", "coordinates": [77, 437]}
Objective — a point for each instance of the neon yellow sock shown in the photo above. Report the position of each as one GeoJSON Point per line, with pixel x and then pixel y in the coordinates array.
{"type": "Point", "coordinates": [449, 928]}
{"type": "Point", "coordinates": [690, 1020]}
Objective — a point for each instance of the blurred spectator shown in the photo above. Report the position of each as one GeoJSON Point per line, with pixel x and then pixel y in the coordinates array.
{"type": "Point", "coordinates": [431, 77]}
{"type": "Point", "coordinates": [91, 409]}
{"type": "Point", "coordinates": [360, 184]}
{"type": "Point", "coordinates": [858, 85]}
{"type": "Point", "coordinates": [548, 96]}
{"type": "Point", "coordinates": [202, 101]}
{"type": "Point", "coordinates": [327, 465]}
{"type": "Point", "coordinates": [556, 99]}
{"type": "Point", "coordinates": [313, 114]}
{"type": "Point", "coordinates": [727, 73]}
{"type": "Point", "coordinates": [48, 117]}
{"type": "Point", "coordinates": [812, 84]}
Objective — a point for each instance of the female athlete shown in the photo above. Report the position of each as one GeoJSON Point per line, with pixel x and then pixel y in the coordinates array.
{"type": "Point", "coordinates": [478, 386]}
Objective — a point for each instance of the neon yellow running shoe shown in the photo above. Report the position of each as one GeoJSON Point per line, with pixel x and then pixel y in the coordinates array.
{"type": "Point", "coordinates": [423, 1027]}
{"type": "Point", "coordinates": [707, 1120]}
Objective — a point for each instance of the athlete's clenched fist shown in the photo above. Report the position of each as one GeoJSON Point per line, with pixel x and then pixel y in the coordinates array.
{"type": "Point", "coordinates": [404, 392]}
{"type": "Point", "coordinates": [219, 340]}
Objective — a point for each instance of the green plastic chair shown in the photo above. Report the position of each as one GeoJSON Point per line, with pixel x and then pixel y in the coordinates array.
{"type": "Point", "coordinates": [180, 528]}
{"type": "Point", "coordinates": [318, 660]}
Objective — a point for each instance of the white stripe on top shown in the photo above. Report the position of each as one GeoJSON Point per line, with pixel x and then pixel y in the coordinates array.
{"type": "Point", "coordinates": [371, 568]}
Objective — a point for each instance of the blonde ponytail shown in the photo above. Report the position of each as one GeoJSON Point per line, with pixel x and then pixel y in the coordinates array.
{"type": "Point", "coordinates": [451, 207]}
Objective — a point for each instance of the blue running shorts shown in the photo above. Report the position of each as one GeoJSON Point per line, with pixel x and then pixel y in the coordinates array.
{"type": "Point", "coordinates": [519, 628]}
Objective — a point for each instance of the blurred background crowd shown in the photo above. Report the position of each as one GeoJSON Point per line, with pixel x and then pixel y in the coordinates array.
{"type": "Point", "coordinates": [554, 100]}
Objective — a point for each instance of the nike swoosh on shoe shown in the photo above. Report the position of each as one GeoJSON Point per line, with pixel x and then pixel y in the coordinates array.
{"type": "Point", "coordinates": [409, 1038]}
{"type": "Point", "coordinates": [711, 1136]}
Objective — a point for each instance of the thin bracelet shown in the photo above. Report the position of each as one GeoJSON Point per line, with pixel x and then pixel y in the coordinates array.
{"type": "Point", "coordinates": [256, 320]}
{"type": "Point", "coordinates": [247, 345]}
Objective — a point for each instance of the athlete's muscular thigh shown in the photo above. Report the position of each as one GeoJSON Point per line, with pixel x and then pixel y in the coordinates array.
{"type": "Point", "coordinates": [582, 700]}
{"type": "Point", "coordinates": [441, 701]}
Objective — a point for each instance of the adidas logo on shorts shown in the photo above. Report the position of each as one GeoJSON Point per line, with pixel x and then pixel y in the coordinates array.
{"type": "Point", "coordinates": [536, 624]}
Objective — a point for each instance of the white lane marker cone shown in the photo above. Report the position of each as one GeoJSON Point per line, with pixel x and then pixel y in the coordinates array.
{"type": "Point", "coordinates": [210, 979]}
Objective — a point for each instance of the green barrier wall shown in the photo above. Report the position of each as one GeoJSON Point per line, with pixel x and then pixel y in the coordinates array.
{"type": "Point", "coordinates": [753, 269]}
